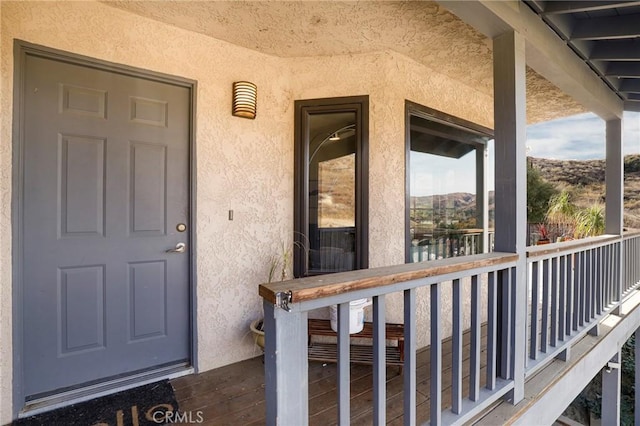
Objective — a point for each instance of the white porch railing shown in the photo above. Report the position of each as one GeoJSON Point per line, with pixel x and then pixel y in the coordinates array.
{"type": "Point", "coordinates": [570, 286]}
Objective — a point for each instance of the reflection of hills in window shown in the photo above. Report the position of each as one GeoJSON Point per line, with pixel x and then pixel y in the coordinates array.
{"type": "Point", "coordinates": [336, 192]}
{"type": "Point", "coordinates": [455, 210]}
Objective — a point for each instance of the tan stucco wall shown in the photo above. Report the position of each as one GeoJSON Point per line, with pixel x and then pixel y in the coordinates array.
{"type": "Point", "coordinates": [242, 165]}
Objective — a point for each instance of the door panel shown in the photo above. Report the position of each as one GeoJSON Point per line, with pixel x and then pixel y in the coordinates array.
{"type": "Point", "coordinates": [106, 181]}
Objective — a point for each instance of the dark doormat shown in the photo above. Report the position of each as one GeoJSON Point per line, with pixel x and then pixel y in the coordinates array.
{"type": "Point", "coordinates": [150, 405]}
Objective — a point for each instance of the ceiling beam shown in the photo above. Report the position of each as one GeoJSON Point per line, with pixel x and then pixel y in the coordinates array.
{"type": "Point", "coordinates": [546, 53]}
{"type": "Point", "coordinates": [562, 24]}
{"type": "Point", "coordinates": [632, 106]}
{"type": "Point", "coordinates": [616, 50]}
{"type": "Point", "coordinates": [557, 7]}
{"type": "Point", "coordinates": [610, 27]}
{"type": "Point", "coordinates": [623, 69]}
{"type": "Point", "coordinates": [629, 85]}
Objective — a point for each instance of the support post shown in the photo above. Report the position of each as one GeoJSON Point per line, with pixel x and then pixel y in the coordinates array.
{"type": "Point", "coordinates": [509, 81]}
{"type": "Point", "coordinates": [285, 366]}
{"type": "Point", "coordinates": [611, 392]}
{"type": "Point", "coordinates": [614, 193]}
{"type": "Point", "coordinates": [614, 178]}
{"type": "Point", "coordinates": [482, 197]}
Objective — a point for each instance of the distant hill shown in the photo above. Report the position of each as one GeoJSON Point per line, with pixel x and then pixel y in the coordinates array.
{"type": "Point", "coordinates": [584, 179]}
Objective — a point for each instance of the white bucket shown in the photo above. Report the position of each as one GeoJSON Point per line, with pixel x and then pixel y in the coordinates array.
{"type": "Point", "coordinates": [356, 315]}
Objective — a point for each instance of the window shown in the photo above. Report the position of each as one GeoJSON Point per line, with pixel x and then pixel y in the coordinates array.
{"type": "Point", "coordinates": [447, 210]}
{"type": "Point", "coordinates": [331, 185]}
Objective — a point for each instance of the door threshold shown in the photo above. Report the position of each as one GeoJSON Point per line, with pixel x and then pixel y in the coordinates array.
{"type": "Point", "coordinates": [87, 393]}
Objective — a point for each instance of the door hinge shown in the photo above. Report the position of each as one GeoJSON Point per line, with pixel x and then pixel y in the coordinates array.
{"type": "Point", "coordinates": [283, 298]}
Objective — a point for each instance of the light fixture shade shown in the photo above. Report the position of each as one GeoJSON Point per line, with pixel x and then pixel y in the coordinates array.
{"type": "Point", "coordinates": [244, 99]}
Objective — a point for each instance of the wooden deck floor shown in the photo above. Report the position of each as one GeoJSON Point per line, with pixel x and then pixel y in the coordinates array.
{"type": "Point", "coordinates": [234, 395]}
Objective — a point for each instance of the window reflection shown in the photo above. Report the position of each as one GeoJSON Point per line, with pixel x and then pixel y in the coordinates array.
{"type": "Point", "coordinates": [446, 171]}
{"type": "Point", "coordinates": [332, 192]}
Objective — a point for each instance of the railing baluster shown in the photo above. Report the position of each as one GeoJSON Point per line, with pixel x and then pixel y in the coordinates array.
{"type": "Point", "coordinates": [344, 344]}
{"type": "Point", "coordinates": [476, 340]}
{"type": "Point", "coordinates": [544, 336]}
{"type": "Point", "coordinates": [581, 281]}
{"type": "Point", "coordinates": [554, 302]}
{"type": "Point", "coordinates": [456, 349]}
{"type": "Point", "coordinates": [577, 293]}
{"type": "Point", "coordinates": [594, 283]}
{"type": "Point", "coordinates": [571, 295]}
{"type": "Point", "coordinates": [612, 274]}
{"type": "Point", "coordinates": [562, 302]}
{"type": "Point", "coordinates": [436, 356]}
{"type": "Point", "coordinates": [533, 343]}
{"type": "Point", "coordinates": [588, 286]}
{"type": "Point", "coordinates": [410, 357]}
{"type": "Point", "coordinates": [599, 260]}
{"type": "Point", "coordinates": [379, 362]}
{"type": "Point", "coordinates": [505, 278]}
{"type": "Point", "coordinates": [606, 283]}
{"type": "Point", "coordinates": [492, 331]}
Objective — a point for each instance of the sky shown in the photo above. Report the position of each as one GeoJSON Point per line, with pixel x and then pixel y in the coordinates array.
{"type": "Point", "coordinates": [579, 137]}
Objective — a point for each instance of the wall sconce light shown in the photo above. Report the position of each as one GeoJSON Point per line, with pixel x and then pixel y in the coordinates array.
{"type": "Point", "coordinates": [244, 99]}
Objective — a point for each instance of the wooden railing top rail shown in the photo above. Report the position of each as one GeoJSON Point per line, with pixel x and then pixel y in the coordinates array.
{"type": "Point", "coordinates": [553, 248]}
{"type": "Point", "coordinates": [320, 286]}
{"type": "Point", "coordinates": [631, 234]}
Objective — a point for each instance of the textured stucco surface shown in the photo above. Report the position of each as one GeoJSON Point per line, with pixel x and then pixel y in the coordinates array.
{"type": "Point", "coordinates": [242, 165]}
{"type": "Point", "coordinates": [420, 30]}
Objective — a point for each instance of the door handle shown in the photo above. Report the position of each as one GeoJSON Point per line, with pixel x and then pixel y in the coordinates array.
{"type": "Point", "coordinates": [180, 248]}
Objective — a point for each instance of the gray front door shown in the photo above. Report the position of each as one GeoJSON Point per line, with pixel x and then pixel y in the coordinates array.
{"type": "Point", "coordinates": [106, 194]}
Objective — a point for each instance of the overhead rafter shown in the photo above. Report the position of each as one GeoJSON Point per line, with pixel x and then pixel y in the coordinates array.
{"type": "Point", "coordinates": [560, 7]}
{"type": "Point", "coordinates": [616, 50]}
{"type": "Point", "coordinates": [548, 54]}
{"type": "Point", "coordinates": [623, 69]}
{"type": "Point", "coordinates": [610, 27]}
{"type": "Point", "coordinates": [630, 86]}
{"type": "Point", "coordinates": [604, 34]}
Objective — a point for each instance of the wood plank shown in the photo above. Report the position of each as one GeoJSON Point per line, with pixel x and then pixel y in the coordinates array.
{"type": "Point", "coordinates": [322, 327]}
{"type": "Point", "coordinates": [234, 394]}
{"type": "Point", "coordinates": [317, 287]}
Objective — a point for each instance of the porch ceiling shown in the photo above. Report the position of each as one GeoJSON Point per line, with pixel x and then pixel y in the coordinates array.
{"type": "Point", "coordinates": [421, 30]}
{"type": "Point", "coordinates": [606, 35]}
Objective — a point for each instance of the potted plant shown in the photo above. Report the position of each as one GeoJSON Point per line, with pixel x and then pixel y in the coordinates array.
{"type": "Point", "coordinates": [544, 235]}
{"type": "Point", "coordinates": [279, 269]}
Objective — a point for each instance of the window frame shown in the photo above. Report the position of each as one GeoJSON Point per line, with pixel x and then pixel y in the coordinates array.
{"type": "Point", "coordinates": [303, 109]}
{"type": "Point", "coordinates": [413, 109]}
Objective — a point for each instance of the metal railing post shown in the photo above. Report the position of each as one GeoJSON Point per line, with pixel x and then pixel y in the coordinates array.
{"type": "Point", "coordinates": [285, 366]}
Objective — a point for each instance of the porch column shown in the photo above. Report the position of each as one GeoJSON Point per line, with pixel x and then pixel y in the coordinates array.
{"type": "Point", "coordinates": [614, 193]}
{"type": "Point", "coordinates": [614, 178]}
{"type": "Point", "coordinates": [509, 81]}
{"type": "Point", "coordinates": [611, 392]}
